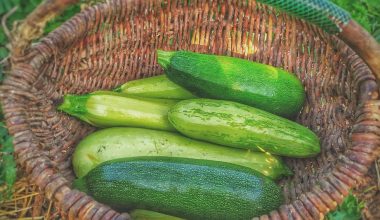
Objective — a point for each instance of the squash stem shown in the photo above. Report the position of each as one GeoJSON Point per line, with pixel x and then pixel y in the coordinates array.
{"type": "Point", "coordinates": [118, 89]}
{"type": "Point", "coordinates": [164, 58]}
{"type": "Point", "coordinates": [74, 104]}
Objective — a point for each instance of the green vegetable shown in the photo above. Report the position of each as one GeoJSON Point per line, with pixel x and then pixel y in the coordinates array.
{"type": "Point", "coordinates": [187, 188]}
{"type": "Point", "coordinates": [110, 109]}
{"type": "Point", "coordinates": [155, 87]}
{"type": "Point", "coordinates": [140, 214]}
{"type": "Point", "coordinates": [219, 77]}
{"type": "Point", "coordinates": [350, 209]}
{"type": "Point", "coordinates": [241, 126]}
{"type": "Point", "coordinates": [113, 143]}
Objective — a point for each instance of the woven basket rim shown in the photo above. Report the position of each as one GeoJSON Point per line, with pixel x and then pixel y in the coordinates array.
{"type": "Point", "coordinates": [351, 166]}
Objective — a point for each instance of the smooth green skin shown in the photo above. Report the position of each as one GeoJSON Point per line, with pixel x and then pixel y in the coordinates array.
{"type": "Point", "coordinates": [155, 87]}
{"type": "Point", "coordinates": [187, 188]}
{"type": "Point", "coordinates": [110, 109]}
{"type": "Point", "coordinates": [241, 126]}
{"type": "Point", "coordinates": [219, 77]}
{"type": "Point", "coordinates": [113, 143]}
{"type": "Point", "coordinates": [140, 214]}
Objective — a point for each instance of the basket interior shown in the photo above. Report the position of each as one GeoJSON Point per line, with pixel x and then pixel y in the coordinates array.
{"type": "Point", "coordinates": [105, 46]}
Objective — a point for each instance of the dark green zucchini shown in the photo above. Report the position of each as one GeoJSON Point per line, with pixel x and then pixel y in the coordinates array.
{"type": "Point", "coordinates": [187, 188]}
{"type": "Point", "coordinates": [220, 77]}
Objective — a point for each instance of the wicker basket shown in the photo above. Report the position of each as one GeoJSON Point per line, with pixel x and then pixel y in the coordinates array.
{"type": "Point", "coordinates": [114, 42]}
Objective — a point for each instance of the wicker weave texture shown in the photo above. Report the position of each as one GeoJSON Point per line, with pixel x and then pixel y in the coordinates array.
{"type": "Point", "coordinates": [111, 43]}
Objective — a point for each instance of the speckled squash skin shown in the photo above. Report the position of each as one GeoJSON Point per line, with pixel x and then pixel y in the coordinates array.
{"type": "Point", "coordinates": [241, 126]}
{"type": "Point", "coordinates": [187, 188]}
{"type": "Point", "coordinates": [221, 77]}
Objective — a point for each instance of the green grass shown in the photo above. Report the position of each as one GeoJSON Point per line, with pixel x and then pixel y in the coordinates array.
{"type": "Point", "coordinates": [7, 163]}
{"type": "Point", "coordinates": [366, 12]}
{"type": "Point", "coordinates": [25, 7]}
{"type": "Point", "coordinates": [350, 209]}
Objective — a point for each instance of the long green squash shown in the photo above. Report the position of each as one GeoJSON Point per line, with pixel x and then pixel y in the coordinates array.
{"type": "Point", "coordinates": [113, 143]}
{"type": "Point", "coordinates": [110, 109]}
{"type": "Point", "coordinates": [241, 126]}
{"type": "Point", "coordinates": [140, 214]}
{"type": "Point", "coordinates": [220, 77]}
{"type": "Point", "coordinates": [187, 188]}
{"type": "Point", "coordinates": [155, 87]}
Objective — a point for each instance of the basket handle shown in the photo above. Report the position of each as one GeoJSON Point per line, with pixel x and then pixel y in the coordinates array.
{"type": "Point", "coordinates": [334, 19]}
{"type": "Point", "coordinates": [322, 13]}
{"type": "Point", "coordinates": [32, 27]}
